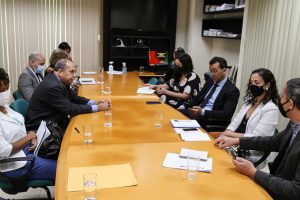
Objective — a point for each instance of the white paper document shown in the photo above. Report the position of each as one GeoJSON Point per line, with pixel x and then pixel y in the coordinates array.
{"type": "Point", "coordinates": [189, 153]}
{"type": "Point", "coordinates": [87, 81]}
{"type": "Point", "coordinates": [115, 72]}
{"type": "Point", "coordinates": [41, 134]}
{"type": "Point", "coordinates": [184, 123]}
{"type": "Point", "coordinates": [192, 134]}
{"type": "Point", "coordinates": [145, 90]}
{"type": "Point", "coordinates": [173, 160]}
{"type": "Point", "coordinates": [89, 73]}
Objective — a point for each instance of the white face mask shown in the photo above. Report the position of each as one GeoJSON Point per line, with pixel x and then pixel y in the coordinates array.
{"type": "Point", "coordinates": [4, 97]}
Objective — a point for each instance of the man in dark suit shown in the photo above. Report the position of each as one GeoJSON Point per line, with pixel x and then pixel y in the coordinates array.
{"type": "Point", "coordinates": [53, 100]}
{"type": "Point", "coordinates": [32, 75]}
{"type": "Point", "coordinates": [216, 102]}
{"type": "Point", "coordinates": [283, 182]}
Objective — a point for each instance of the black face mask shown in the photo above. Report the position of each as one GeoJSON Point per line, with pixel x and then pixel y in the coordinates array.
{"type": "Point", "coordinates": [256, 90]}
{"type": "Point", "coordinates": [281, 109]}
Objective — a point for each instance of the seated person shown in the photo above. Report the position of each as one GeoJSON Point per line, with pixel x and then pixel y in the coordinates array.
{"type": "Point", "coordinates": [283, 180]}
{"type": "Point", "coordinates": [217, 100]}
{"type": "Point", "coordinates": [32, 75]}
{"type": "Point", "coordinates": [56, 55]}
{"type": "Point", "coordinates": [184, 85]}
{"type": "Point", "coordinates": [54, 101]}
{"type": "Point", "coordinates": [259, 115]}
{"type": "Point", "coordinates": [15, 142]}
{"type": "Point", "coordinates": [168, 75]}
{"type": "Point", "coordinates": [65, 46]}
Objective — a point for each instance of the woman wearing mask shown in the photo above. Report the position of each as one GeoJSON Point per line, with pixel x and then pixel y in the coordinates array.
{"type": "Point", "coordinates": [15, 142]}
{"type": "Point", "coordinates": [184, 84]}
{"type": "Point", "coordinates": [259, 115]}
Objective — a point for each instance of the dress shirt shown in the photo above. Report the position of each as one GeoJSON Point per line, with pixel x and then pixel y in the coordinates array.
{"type": "Point", "coordinates": [211, 101]}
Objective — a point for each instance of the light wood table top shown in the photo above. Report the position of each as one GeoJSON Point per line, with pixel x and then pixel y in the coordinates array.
{"type": "Point", "coordinates": [157, 182]}
{"type": "Point", "coordinates": [134, 139]}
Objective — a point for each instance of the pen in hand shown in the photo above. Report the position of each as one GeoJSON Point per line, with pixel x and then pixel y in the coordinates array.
{"type": "Point", "coordinates": [77, 130]}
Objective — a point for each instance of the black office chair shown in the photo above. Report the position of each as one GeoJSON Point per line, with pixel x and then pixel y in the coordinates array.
{"type": "Point", "coordinates": [16, 185]}
{"type": "Point", "coordinates": [266, 154]}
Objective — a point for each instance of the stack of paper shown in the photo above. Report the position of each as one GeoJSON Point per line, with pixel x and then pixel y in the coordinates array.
{"type": "Point", "coordinates": [182, 123]}
{"type": "Point", "coordinates": [87, 81]}
{"type": "Point", "coordinates": [192, 134]}
{"type": "Point", "coordinates": [174, 160]}
{"type": "Point", "coordinates": [189, 153]}
{"type": "Point", "coordinates": [89, 73]}
{"type": "Point", "coordinates": [145, 90]}
{"type": "Point", "coordinates": [115, 72]}
{"type": "Point", "coordinates": [41, 134]}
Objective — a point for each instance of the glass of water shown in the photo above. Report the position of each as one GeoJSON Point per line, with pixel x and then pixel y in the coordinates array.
{"type": "Point", "coordinates": [192, 167]}
{"type": "Point", "coordinates": [89, 185]}
{"type": "Point", "coordinates": [158, 119]}
{"type": "Point", "coordinates": [87, 133]}
{"type": "Point", "coordinates": [101, 75]}
{"type": "Point", "coordinates": [142, 70]}
{"type": "Point", "coordinates": [108, 118]}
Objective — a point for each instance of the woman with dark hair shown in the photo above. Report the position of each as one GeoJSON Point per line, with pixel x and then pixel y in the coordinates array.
{"type": "Point", "coordinates": [259, 115]}
{"type": "Point", "coordinates": [176, 54]}
{"type": "Point", "coordinates": [16, 142]}
{"type": "Point", "coordinates": [184, 84]}
{"type": "Point", "coordinates": [56, 55]}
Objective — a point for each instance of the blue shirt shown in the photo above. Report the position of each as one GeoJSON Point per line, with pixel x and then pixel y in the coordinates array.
{"type": "Point", "coordinates": [212, 100]}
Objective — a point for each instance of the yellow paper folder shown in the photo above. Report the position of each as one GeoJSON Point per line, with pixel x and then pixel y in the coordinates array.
{"type": "Point", "coordinates": [109, 176]}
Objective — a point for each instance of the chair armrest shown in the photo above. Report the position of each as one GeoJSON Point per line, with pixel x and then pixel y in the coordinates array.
{"type": "Point", "coordinates": [17, 159]}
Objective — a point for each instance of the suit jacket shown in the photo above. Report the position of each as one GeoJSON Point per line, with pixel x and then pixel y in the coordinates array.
{"type": "Point", "coordinates": [27, 83]}
{"type": "Point", "coordinates": [225, 103]}
{"type": "Point", "coordinates": [53, 101]}
{"type": "Point", "coordinates": [283, 182]}
{"type": "Point", "coordinates": [262, 122]}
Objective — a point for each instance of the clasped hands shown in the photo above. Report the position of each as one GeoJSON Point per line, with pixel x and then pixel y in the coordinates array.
{"type": "Point", "coordinates": [104, 105]}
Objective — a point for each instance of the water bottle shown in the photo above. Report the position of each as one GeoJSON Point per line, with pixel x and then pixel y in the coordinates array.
{"type": "Point", "coordinates": [124, 68]}
{"type": "Point", "coordinates": [111, 67]}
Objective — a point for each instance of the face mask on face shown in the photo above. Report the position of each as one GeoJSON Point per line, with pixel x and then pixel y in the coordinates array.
{"type": "Point", "coordinates": [256, 90]}
{"type": "Point", "coordinates": [39, 69]}
{"type": "Point", "coordinates": [281, 109]}
{"type": "Point", "coordinates": [4, 97]}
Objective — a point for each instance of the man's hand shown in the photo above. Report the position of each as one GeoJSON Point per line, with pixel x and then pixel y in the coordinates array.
{"type": "Point", "coordinates": [245, 167]}
{"type": "Point", "coordinates": [196, 110]}
{"type": "Point", "coordinates": [104, 106]}
{"type": "Point", "coordinates": [224, 141]}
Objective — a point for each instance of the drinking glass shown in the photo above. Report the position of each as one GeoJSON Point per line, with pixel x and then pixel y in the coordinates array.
{"type": "Point", "coordinates": [108, 118]}
{"type": "Point", "coordinates": [142, 70]}
{"type": "Point", "coordinates": [158, 119]}
{"type": "Point", "coordinates": [89, 186]}
{"type": "Point", "coordinates": [87, 133]}
{"type": "Point", "coordinates": [192, 167]}
{"type": "Point", "coordinates": [101, 75]}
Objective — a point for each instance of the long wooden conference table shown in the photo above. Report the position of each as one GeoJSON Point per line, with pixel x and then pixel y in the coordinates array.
{"type": "Point", "coordinates": [134, 139]}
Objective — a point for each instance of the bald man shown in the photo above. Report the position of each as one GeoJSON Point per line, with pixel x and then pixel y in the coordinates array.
{"type": "Point", "coordinates": [32, 75]}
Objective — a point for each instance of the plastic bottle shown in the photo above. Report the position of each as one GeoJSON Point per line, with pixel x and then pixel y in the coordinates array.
{"type": "Point", "coordinates": [124, 68]}
{"type": "Point", "coordinates": [111, 67]}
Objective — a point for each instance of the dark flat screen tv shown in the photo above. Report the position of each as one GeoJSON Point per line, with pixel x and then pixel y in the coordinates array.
{"type": "Point", "coordinates": [140, 15]}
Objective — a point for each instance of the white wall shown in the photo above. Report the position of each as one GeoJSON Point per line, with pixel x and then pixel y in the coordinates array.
{"type": "Point", "coordinates": [201, 49]}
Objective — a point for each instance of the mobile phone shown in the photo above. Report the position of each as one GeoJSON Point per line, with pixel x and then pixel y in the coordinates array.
{"type": "Point", "coordinates": [153, 102]}
{"type": "Point", "coordinates": [232, 152]}
{"type": "Point", "coordinates": [190, 129]}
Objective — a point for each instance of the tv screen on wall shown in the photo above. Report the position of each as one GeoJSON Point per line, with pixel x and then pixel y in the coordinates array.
{"type": "Point", "coordinates": [140, 15]}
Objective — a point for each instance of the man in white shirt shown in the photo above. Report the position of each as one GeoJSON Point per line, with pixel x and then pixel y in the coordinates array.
{"type": "Point", "coordinates": [32, 75]}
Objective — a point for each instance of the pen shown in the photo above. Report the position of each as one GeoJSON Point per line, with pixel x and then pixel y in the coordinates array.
{"type": "Point", "coordinates": [77, 130]}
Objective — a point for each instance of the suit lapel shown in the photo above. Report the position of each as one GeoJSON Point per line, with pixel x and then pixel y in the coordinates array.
{"type": "Point", "coordinates": [256, 112]}
{"type": "Point", "coordinates": [33, 75]}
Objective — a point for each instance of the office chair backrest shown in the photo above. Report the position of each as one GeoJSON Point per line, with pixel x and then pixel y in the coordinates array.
{"type": "Point", "coordinates": [153, 81]}
{"type": "Point", "coordinates": [20, 106]}
{"type": "Point", "coordinates": [266, 154]}
{"type": "Point", "coordinates": [17, 95]}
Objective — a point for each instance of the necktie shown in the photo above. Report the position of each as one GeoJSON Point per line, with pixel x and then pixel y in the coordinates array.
{"type": "Point", "coordinates": [207, 98]}
{"type": "Point", "coordinates": [293, 136]}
